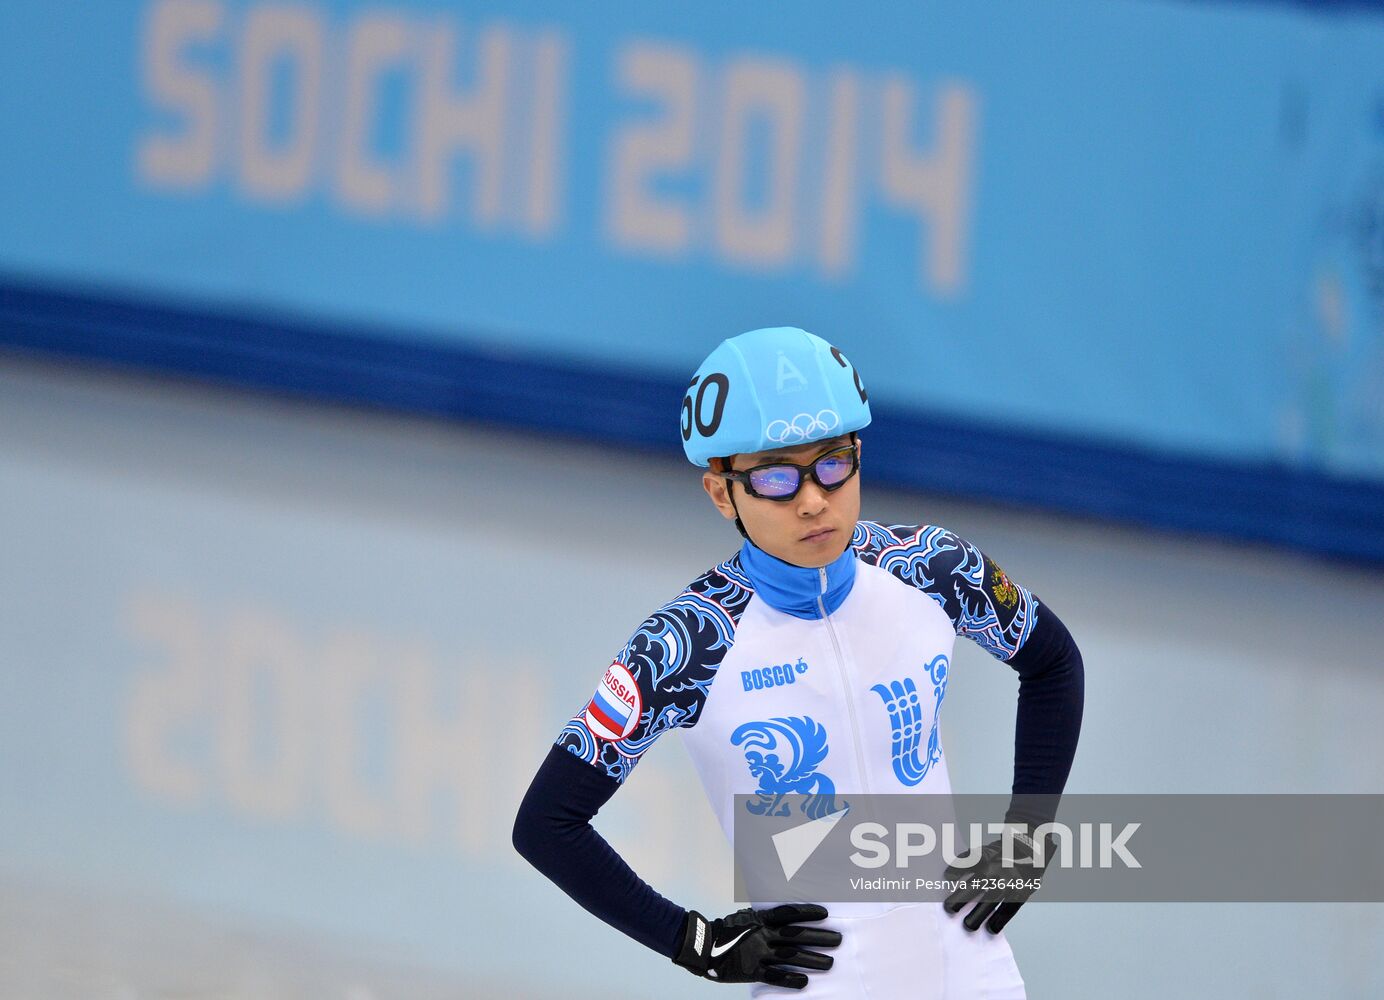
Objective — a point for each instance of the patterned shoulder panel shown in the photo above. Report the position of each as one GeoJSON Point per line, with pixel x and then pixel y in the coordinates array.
{"type": "Point", "coordinates": [979, 598]}
{"type": "Point", "coordinates": [661, 677]}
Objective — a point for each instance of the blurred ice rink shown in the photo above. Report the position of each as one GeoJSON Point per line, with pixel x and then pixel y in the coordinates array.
{"type": "Point", "coordinates": [274, 676]}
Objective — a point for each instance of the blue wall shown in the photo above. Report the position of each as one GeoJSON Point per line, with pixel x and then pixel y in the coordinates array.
{"type": "Point", "coordinates": [1126, 259]}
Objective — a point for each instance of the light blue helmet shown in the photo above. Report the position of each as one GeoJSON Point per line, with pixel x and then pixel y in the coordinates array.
{"type": "Point", "coordinates": [777, 387]}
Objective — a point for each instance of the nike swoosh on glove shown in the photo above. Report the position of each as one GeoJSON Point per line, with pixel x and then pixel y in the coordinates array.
{"type": "Point", "coordinates": [757, 946]}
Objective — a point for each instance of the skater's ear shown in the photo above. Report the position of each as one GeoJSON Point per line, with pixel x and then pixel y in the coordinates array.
{"type": "Point", "coordinates": [718, 489]}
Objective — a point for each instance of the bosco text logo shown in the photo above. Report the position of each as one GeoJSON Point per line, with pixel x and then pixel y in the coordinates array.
{"type": "Point", "coordinates": [779, 675]}
{"type": "Point", "coordinates": [614, 709]}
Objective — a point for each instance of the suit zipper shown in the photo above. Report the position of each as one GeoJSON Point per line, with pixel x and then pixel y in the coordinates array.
{"type": "Point", "coordinates": [845, 683]}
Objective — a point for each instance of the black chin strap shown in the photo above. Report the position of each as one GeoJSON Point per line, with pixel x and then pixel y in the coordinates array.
{"type": "Point", "coordinates": [739, 524]}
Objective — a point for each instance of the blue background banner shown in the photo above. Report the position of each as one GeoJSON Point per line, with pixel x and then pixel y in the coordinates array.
{"type": "Point", "coordinates": [1123, 258]}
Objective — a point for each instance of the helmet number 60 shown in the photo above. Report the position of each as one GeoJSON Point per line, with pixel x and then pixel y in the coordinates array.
{"type": "Point", "coordinates": [693, 410]}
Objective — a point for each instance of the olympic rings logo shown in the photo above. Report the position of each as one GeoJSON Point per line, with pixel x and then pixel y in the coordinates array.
{"type": "Point", "coordinates": [803, 427]}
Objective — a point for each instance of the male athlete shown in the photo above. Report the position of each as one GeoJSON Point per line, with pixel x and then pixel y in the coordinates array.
{"type": "Point", "coordinates": [789, 668]}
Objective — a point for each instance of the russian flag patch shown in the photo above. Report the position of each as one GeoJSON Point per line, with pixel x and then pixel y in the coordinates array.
{"type": "Point", "coordinates": [614, 709]}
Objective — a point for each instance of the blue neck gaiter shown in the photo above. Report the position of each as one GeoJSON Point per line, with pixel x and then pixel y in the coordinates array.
{"type": "Point", "coordinates": [795, 590]}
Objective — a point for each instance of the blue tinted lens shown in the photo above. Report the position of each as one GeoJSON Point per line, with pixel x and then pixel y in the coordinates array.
{"type": "Point", "coordinates": [775, 480]}
{"type": "Point", "coordinates": [834, 469]}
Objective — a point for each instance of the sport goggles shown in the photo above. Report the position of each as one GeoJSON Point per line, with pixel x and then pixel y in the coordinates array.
{"type": "Point", "coordinates": [783, 480]}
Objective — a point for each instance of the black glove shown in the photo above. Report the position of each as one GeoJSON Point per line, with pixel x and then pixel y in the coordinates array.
{"type": "Point", "coordinates": [749, 946]}
{"type": "Point", "coordinates": [1013, 883]}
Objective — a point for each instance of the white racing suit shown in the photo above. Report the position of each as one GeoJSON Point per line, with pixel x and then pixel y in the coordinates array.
{"type": "Point", "coordinates": [788, 680]}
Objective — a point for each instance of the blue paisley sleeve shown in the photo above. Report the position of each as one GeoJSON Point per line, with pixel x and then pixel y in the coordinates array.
{"type": "Point", "coordinates": [982, 602]}
{"type": "Point", "coordinates": [660, 678]}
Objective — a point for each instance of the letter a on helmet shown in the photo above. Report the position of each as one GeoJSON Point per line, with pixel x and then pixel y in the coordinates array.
{"type": "Point", "coordinates": [778, 387]}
